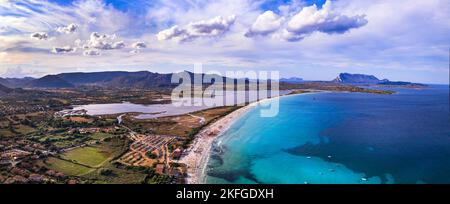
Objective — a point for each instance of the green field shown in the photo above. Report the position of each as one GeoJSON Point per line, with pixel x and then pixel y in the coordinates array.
{"type": "Point", "coordinates": [88, 161]}
{"type": "Point", "coordinates": [18, 130]}
{"type": "Point", "coordinates": [23, 129]}
{"type": "Point", "coordinates": [90, 156]}
{"type": "Point", "coordinates": [101, 135]}
{"type": "Point", "coordinates": [66, 167]}
{"type": "Point", "coordinates": [52, 138]}
{"type": "Point", "coordinates": [63, 144]}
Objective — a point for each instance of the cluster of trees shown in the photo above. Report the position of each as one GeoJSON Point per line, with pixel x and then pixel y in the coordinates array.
{"type": "Point", "coordinates": [191, 136]}
{"type": "Point", "coordinates": [151, 178]}
{"type": "Point", "coordinates": [151, 155]}
{"type": "Point", "coordinates": [140, 169]}
{"type": "Point", "coordinates": [106, 172]}
{"type": "Point", "coordinates": [159, 179]}
{"type": "Point", "coordinates": [61, 123]}
{"type": "Point", "coordinates": [15, 120]}
{"type": "Point", "coordinates": [141, 130]}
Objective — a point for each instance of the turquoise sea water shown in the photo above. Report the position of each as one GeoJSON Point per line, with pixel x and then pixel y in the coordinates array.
{"type": "Point", "coordinates": [340, 138]}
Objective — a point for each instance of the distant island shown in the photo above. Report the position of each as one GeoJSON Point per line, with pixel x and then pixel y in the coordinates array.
{"type": "Point", "coordinates": [362, 79]}
{"type": "Point", "coordinates": [402, 84]}
{"type": "Point", "coordinates": [292, 80]}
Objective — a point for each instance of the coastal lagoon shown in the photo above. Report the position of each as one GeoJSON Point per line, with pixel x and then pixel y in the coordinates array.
{"type": "Point", "coordinates": [147, 111]}
{"type": "Point", "coordinates": [340, 138]}
{"type": "Point", "coordinates": [163, 110]}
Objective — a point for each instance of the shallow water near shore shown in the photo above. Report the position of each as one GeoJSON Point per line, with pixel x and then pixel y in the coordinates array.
{"type": "Point", "coordinates": [340, 138]}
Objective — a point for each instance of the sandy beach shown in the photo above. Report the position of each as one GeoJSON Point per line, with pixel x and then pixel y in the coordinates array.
{"type": "Point", "coordinates": [197, 156]}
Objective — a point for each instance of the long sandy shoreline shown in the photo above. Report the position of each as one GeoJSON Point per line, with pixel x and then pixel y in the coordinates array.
{"type": "Point", "coordinates": [197, 156]}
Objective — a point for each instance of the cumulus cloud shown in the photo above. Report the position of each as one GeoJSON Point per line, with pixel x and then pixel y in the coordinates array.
{"type": "Point", "coordinates": [213, 27]}
{"type": "Point", "coordinates": [118, 45]}
{"type": "Point", "coordinates": [310, 19]}
{"type": "Point", "coordinates": [100, 41]}
{"type": "Point", "coordinates": [67, 29]}
{"type": "Point", "coordinates": [138, 45]}
{"type": "Point", "coordinates": [39, 36]}
{"type": "Point", "coordinates": [91, 53]}
{"type": "Point", "coordinates": [171, 33]}
{"type": "Point", "coordinates": [266, 23]}
{"type": "Point", "coordinates": [66, 49]}
{"type": "Point", "coordinates": [205, 28]}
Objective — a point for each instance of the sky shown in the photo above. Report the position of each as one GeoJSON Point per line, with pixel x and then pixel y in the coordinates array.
{"type": "Point", "coordinates": [404, 40]}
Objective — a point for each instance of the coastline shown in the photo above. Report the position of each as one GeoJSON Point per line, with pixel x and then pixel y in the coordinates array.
{"type": "Point", "coordinates": [197, 156]}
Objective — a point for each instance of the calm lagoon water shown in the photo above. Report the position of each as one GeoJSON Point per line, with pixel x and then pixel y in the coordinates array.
{"type": "Point", "coordinates": [162, 110]}
{"type": "Point", "coordinates": [340, 138]}
{"type": "Point", "coordinates": [148, 111]}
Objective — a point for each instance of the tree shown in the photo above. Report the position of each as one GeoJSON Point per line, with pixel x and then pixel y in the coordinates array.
{"type": "Point", "coordinates": [151, 155]}
{"type": "Point", "coordinates": [105, 172]}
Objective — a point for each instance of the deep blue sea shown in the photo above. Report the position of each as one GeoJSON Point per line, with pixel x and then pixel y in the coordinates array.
{"type": "Point", "coordinates": [340, 138]}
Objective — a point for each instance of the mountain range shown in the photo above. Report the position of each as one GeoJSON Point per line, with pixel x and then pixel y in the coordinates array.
{"type": "Point", "coordinates": [142, 79]}
{"type": "Point", "coordinates": [49, 81]}
{"type": "Point", "coordinates": [15, 82]}
{"type": "Point", "coordinates": [4, 90]}
{"type": "Point", "coordinates": [150, 80]}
